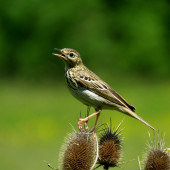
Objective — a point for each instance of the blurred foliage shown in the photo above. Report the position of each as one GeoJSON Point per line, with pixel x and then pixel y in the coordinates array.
{"type": "Point", "coordinates": [122, 36]}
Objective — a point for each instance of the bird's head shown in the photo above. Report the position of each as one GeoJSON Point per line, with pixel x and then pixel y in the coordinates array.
{"type": "Point", "coordinates": [70, 57]}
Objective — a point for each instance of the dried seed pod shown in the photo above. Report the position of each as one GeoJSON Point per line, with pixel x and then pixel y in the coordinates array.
{"type": "Point", "coordinates": [80, 152]}
{"type": "Point", "coordinates": [110, 146]}
{"type": "Point", "coordinates": [157, 157]}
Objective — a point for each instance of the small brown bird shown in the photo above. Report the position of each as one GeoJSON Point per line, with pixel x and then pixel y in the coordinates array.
{"type": "Point", "coordinates": [90, 89]}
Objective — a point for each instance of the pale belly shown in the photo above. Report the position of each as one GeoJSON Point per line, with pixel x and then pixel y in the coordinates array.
{"type": "Point", "coordinates": [91, 99]}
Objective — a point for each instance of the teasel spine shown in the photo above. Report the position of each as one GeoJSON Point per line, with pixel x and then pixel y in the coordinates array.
{"type": "Point", "coordinates": [110, 147]}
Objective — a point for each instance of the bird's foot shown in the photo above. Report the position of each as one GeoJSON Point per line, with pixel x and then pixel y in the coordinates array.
{"type": "Point", "coordinates": [80, 125]}
{"type": "Point", "coordinates": [85, 123]}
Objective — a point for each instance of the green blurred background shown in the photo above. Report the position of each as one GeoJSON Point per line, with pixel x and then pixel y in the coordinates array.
{"type": "Point", "coordinates": [127, 43]}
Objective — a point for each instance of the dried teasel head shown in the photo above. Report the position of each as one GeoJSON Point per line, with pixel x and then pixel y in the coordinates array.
{"type": "Point", "coordinates": [110, 147]}
{"type": "Point", "coordinates": [79, 152]}
{"type": "Point", "coordinates": [158, 157]}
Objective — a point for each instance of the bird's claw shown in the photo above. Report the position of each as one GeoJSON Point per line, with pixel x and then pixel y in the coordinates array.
{"type": "Point", "coordinates": [80, 125]}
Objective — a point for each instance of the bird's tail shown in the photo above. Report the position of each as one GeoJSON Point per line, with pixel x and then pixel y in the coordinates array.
{"type": "Point", "coordinates": [134, 115]}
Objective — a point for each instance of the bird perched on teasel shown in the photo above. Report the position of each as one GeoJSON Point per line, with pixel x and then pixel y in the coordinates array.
{"type": "Point", "coordinates": [90, 89]}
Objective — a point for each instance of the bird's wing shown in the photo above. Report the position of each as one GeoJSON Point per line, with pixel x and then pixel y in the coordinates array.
{"type": "Point", "coordinates": [91, 81]}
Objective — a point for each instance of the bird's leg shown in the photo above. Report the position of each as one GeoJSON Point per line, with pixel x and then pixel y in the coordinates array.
{"type": "Point", "coordinates": [97, 117]}
{"type": "Point", "coordinates": [86, 119]}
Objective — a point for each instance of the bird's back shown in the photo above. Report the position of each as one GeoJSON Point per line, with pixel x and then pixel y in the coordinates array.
{"type": "Point", "coordinates": [82, 77]}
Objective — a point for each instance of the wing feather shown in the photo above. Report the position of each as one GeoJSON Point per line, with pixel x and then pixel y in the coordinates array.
{"type": "Point", "coordinates": [89, 80]}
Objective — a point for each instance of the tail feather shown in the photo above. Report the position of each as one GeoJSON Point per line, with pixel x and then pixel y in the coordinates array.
{"type": "Point", "coordinates": [134, 115]}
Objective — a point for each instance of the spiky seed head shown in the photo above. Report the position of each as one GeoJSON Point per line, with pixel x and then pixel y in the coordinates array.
{"type": "Point", "coordinates": [110, 146]}
{"type": "Point", "coordinates": [80, 152]}
{"type": "Point", "coordinates": [157, 157]}
{"type": "Point", "coordinates": [157, 160]}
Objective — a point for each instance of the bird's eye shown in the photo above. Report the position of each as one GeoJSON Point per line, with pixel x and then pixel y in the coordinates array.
{"type": "Point", "coordinates": [71, 55]}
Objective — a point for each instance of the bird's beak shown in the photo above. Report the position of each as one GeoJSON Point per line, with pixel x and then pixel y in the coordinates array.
{"type": "Point", "coordinates": [59, 55]}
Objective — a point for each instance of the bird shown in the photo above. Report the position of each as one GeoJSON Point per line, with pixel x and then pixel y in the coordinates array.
{"type": "Point", "coordinates": [91, 90]}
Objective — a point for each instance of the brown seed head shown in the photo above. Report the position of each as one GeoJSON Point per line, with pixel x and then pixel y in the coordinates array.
{"type": "Point", "coordinates": [157, 160]}
{"type": "Point", "coordinates": [157, 157]}
{"type": "Point", "coordinates": [109, 148]}
{"type": "Point", "coordinates": [80, 152]}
